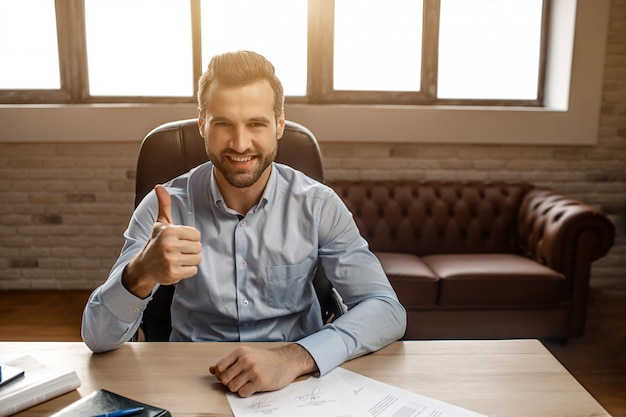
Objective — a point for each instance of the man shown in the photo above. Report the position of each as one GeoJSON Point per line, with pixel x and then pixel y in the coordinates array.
{"type": "Point", "coordinates": [241, 237]}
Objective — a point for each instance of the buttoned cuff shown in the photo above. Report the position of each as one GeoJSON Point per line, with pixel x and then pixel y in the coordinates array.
{"type": "Point", "coordinates": [326, 348]}
{"type": "Point", "coordinates": [120, 302]}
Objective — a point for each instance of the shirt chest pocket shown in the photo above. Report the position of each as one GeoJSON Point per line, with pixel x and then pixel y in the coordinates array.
{"type": "Point", "coordinates": [288, 286]}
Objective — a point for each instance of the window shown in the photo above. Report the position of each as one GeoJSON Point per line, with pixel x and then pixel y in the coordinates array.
{"type": "Point", "coordinates": [126, 41]}
{"type": "Point", "coordinates": [31, 58]}
{"type": "Point", "coordinates": [497, 44]}
{"type": "Point", "coordinates": [276, 29]}
{"type": "Point", "coordinates": [378, 47]}
{"type": "Point", "coordinates": [325, 51]}
{"type": "Point", "coordinates": [574, 69]}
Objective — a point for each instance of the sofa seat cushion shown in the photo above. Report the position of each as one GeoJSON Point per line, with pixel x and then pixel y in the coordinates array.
{"type": "Point", "coordinates": [495, 280]}
{"type": "Point", "coordinates": [414, 282]}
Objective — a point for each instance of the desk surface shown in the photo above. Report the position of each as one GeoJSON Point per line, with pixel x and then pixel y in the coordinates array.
{"type": "Point", "coordinates": [496, 378]}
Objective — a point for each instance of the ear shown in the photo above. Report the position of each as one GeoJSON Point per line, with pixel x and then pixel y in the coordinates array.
{"type": "Point", "coordinates": [280, 126]}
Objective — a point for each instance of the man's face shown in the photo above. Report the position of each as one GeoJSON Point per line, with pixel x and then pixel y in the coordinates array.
{"type": "Point", "coordinates": [241, 132]}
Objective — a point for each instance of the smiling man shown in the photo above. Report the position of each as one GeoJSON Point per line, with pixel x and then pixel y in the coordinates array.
{"type": "Point", "coordinates": [240, 237]}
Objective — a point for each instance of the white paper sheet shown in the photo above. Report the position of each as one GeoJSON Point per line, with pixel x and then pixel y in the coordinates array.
{"type": "Point", "coordinates": [328, 396]}
{"type": "Point", "coordinates": [342, 393]}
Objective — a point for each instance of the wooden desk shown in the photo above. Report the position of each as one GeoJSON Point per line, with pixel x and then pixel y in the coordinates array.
{"type": "Point", "coordinates": [495, 378]}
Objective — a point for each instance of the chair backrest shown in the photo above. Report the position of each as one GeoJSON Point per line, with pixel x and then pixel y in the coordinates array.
{"type": "Point", "coordinates": [173, 149]}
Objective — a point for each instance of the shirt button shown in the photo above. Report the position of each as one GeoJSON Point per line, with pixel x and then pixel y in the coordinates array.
{"type": "Point", "coordinates": [136, 310]}
{"type": "Point", "coordinates": [246, 303]}
{"type": "Point", "coordinates": [244, 263]}
{"type": "Point", "coordinates": [242, 223]}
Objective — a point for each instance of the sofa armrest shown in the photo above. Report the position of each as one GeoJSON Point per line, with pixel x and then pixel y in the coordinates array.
{"type": "Point", "coordinates": [555, 229]}
{"type": "Point", "coordinates": [567, 236]}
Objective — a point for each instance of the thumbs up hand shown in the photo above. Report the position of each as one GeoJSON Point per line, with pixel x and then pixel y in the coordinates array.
{"type": "Point", "coordinates": [172, 253]}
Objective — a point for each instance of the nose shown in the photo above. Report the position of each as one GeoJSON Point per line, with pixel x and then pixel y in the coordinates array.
{"type": "Point", "coordinates": [240, 140]}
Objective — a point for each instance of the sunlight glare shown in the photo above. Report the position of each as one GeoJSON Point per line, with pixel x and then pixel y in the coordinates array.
{"type": "Point", "coordinates": [29, 45]}
{"type": "Point", "coordinates": [139, 47]}
{"type": "Point", "coordinates": [277, 29]}
{"type": "Point", "coordinates": [489, 49]}
{"type": "Point", "coordinates": [378, 47]}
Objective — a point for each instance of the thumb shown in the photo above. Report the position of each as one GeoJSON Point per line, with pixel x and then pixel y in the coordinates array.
{"type": "Point", "coordinates": [165, 205]}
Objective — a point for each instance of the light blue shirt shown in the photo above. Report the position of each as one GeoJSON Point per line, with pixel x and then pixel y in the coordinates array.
{"type": "Point", "coordinates": [255, 281]}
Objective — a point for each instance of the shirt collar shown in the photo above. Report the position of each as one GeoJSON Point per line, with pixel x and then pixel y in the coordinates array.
{"type": "Point", "coordinates": [267, 196]}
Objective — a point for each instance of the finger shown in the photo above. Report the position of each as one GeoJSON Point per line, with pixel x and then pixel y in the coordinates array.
{"type": "Point", "coordinates": [164, 214]}
{"type": "Point", "coordinates": [223, 369]}
{"type": "Point", "coordinates": [183, 272]}
{"type": "Point", "coordinates": [188, 233]}
{"type": "Point", "coordinates": [241, 385]}
{"type": "Point", "coordinates": [247, 390]}
{"type": "Point", "coordinates": [234, 380]}
{"type": "Point", "coordinates": [192, 249]}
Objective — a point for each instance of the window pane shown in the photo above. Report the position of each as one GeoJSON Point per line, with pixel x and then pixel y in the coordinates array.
{"type": "Point", "coordinates": [30, 57]}
{"type": "Point", "coordinates": [139, 47]}
{"type": "Point", "coordinates": [378, 45]}
{"type": "Point", "coordinates": [277, 29]}
{"type": "Point", "coordinates": [489, 49]}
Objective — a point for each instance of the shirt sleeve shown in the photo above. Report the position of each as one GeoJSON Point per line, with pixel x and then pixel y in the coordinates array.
{"type": "Point", "coordinates": [111, 317]}
{"type": "Point", "coordinates": [113, 314]}
{"type": "Point", "coordinates": [375, 317]}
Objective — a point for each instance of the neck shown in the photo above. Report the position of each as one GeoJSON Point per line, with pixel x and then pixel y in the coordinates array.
{"type": "Point", "coordinates": [242, 199]}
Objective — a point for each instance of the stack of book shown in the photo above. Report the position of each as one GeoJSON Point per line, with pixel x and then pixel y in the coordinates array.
{"type": "Point", "coordinates": [37, 384]}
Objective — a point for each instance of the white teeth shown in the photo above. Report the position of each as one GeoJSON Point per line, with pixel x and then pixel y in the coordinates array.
{"type": "Point", "coordinates": [241, 159]}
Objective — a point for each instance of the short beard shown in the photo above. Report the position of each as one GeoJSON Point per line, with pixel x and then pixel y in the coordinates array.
{"type": "Point", "coordinates": [243, 179]}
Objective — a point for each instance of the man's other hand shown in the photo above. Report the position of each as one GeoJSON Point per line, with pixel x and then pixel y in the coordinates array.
{"type": "Point", "coordinates": [247, 370]}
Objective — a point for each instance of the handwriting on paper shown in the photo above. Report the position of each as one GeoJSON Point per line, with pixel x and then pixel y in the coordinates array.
{"type": "Point", "coordinates": [309, 398]}
{"type": "Point", "coordinates": [342, 393]}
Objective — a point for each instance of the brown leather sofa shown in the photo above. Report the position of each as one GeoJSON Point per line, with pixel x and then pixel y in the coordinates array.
{"type": "Point", "coordinates": [482, 260]}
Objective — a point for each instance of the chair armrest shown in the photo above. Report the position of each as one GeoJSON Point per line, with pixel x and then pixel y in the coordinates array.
{"type": "Point", "coordinates": [330, 301]}
{"type": "Point", "coordinates": [556, 230]}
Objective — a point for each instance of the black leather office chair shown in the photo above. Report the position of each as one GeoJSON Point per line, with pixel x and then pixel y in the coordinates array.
{"type": "Point", "coordinates": [173, 149]}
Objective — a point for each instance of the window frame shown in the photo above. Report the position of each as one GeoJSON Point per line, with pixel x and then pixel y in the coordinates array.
{"type": "Point", "coordinates": [571, 116]}
{"type": "Point", "coordinates": [72, 61]}
{"type": "Point", "coordinates": [321, 20]}
{"type": "Point", "coordinates": [70, 17]}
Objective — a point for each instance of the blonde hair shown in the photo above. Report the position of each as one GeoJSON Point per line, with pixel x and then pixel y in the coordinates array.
{"type": "Point", "coordinates": [240, 68]}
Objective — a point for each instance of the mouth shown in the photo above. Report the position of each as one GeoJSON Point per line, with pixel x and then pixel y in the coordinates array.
{"type": "Point", "coordinates": [241, 161]}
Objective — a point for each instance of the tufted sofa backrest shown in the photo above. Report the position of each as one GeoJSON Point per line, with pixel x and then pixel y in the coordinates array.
{"type": "Point", "coordinates": [435, 217]}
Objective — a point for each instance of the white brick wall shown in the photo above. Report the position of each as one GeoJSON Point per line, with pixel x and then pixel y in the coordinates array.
{"type": "Point", "coordinates": [63, 210]}
{"type": "Point", "coordinates": [64, 206]}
